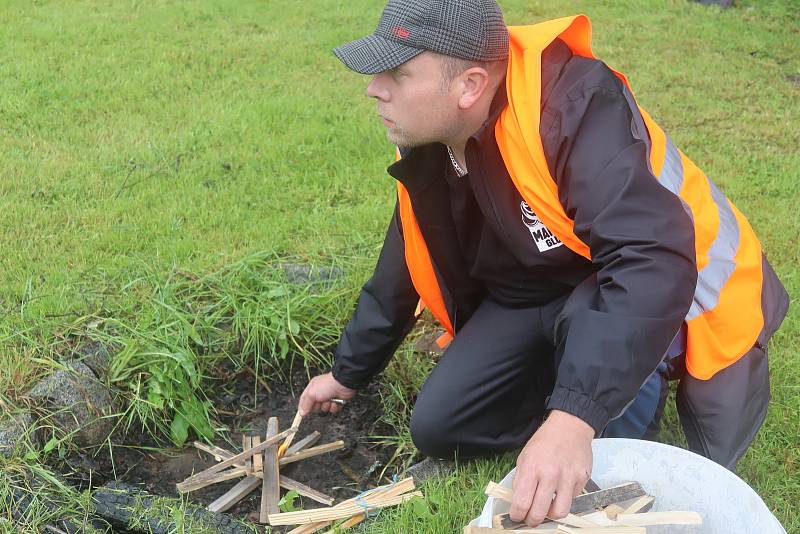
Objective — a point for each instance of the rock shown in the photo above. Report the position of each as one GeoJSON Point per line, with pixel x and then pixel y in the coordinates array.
{"type": "Point", "coordinates": [428, 342]}
{"type": "Point", "coordinates": [724, 4]}
{"type": "Point", "coordinates": [12, 430]}
{"type": "Point", "coordinates": [78, 403]}
{"type": "Point", "coordinates": [429, 468]}
{"type": "Point", "coordinates": [95, 355]}
{"type": "Point", "coordinates": [297, 273]}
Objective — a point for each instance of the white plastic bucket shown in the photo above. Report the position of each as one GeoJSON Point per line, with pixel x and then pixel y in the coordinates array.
{"type": "Point", "coordinates": [680, 481]}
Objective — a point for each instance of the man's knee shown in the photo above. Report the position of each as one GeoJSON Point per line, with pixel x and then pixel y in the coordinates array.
{"type": "Point", "coordinates": [431, 433]}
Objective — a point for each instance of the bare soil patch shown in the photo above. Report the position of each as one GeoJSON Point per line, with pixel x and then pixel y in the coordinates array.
{"type": "Point", "coordinates": [244, 407]}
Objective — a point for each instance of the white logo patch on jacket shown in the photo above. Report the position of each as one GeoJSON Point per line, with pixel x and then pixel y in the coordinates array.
{"type": "Point", "coordinates": [545, 239]}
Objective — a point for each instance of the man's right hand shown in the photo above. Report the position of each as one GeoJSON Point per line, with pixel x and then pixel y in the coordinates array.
{"type": "Point", "coordinates": [320, 391]}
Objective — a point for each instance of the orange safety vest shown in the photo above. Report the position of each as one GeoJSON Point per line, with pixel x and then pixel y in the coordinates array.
{"type": "Point", "coordinates": [725, 317]}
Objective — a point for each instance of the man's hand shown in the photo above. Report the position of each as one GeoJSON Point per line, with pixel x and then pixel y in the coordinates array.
{"type": "Point", "coordinates": [319, 392]}
{"type": "Point", "coordinates": [557, 460]}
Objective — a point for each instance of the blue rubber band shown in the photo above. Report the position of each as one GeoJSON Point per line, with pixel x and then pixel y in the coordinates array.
{"type": "Point", "coordinates": [370, 511]}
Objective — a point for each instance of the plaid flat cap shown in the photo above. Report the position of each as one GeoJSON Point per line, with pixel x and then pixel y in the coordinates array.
{"type": "Point", "coordinates": [467, 29]}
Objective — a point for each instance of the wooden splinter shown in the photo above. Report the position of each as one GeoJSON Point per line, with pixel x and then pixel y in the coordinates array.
{"type": "Point", "coordinates": [334, 513]}
{"type": "Point", "coordinates": [208, 473]}
{"type": "Point", "coordinates": [601, 530]}
{"type": "Point", "coordinates": [399, 488]}
{"type": "Point", "coordinates": [270, 489]}
{"type": "Point", "coordinates": [235, 494]}
{"type": "Point", "coordinates": [308, 441]}
{"type": "Point", "coordinates": [288, 441]}
{"type": "Point", "coordinates": [485, 530]}
{"type": "Point", "coordinates": [258, 464]}
{"type": "Point", "coordinates": [305, 491]}
{"type": "Point", "coordinates": [197, 481]}
{"type": "Point", "coordinates": [501, 492]}
{"type": "Point", "coordinates": [589, 502]}
{"type": "Point", "coordinates": [247, 443]}
{"type": "Point", "coordinates": [313, 451]}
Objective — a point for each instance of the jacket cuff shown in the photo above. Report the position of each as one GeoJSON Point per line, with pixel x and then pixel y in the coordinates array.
{"type": "Point", "coordinates": [340, 374]}
{"type": "Point", "coordinates": [581, 406]}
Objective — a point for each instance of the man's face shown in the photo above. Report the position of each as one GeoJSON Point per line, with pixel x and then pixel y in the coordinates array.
{"type": "Point", "coordinates": [414, 103]}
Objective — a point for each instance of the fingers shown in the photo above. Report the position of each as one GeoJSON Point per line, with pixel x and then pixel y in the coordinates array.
{"type": "Point", "coordinates": [318, 394]}
{"type": "Point", "coordinates": [523, 489]}
{"type": "Point", "coordinates": [542, 501]}
{"type": "Point", "coordinates": [306, 404]}
{"type": "Point", "coordinates": [563, 501]}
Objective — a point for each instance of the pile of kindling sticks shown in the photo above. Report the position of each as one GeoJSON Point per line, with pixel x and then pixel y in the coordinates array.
{"type": "Point", "coordinates": [622, 509]}
{"type": "Point", "coordinates": [260, 462]}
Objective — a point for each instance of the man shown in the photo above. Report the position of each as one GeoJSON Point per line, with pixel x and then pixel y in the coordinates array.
{"type": "Point", "coordinates": [577, 259]}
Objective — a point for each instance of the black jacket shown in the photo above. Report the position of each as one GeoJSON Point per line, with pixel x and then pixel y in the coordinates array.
{"type": "Point", "coordinates": [622, 308]}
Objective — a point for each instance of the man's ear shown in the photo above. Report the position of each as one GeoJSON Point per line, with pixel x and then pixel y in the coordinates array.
{"type": "Point", "coordinates": [474, 82]}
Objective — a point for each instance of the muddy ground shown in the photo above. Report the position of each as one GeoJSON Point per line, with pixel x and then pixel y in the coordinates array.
{"type": "Point", "coordinates": [244, 407]}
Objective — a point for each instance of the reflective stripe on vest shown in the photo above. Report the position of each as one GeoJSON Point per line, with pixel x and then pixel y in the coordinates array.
{"type": "Point", "coordinates": [725, 317]}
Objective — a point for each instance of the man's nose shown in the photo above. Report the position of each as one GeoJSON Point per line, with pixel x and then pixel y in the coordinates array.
{"type": "Point", "coordinates": [377, 89]}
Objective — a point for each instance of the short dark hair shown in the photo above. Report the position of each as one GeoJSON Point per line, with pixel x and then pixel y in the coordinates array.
{"type": "Point", "coordinates": [453, 66]}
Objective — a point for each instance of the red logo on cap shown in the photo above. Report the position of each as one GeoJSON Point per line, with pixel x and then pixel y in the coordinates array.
{"type": "Point", "coordinates": [401, 32]}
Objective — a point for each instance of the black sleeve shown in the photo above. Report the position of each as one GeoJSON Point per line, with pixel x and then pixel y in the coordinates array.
{"type": "Point", "coordinates": [383, 317]}
{"type": "Point", "coordinates": [617, 324]}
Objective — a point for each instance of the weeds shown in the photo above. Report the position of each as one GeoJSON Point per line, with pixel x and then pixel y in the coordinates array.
{"type": "Point", "coordinates": [186, 326]}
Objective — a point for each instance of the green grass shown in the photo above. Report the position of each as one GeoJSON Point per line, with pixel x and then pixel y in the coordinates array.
{"type": "Point", "coordinates": [156, 157]}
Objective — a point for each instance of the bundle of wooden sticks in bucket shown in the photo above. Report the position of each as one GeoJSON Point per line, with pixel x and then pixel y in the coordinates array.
{"type": "Point", "coordinates": [621, 509]}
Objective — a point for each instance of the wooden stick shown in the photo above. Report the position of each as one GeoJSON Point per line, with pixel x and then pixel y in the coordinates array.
{"type": "Point", "coordinates": [493, 489]}
{"type": "Point", "coordinates": [501, 492]}
{"type": "Point", "coordinates": [398, 488]}
{"type": "Point", "coordinates": [313, 451]}
{"type": "Point", "coordinates": [270, 489]}
{"type": "Point", "coordinates": [218, 453]}
{"type": "Point", "coordinates": [258, 465]}
{"type": "Point", "coordinates": [485, 530]}
{"type": "Point", "coordinates": [235, 494]}
{"type": "Point", "coordinates": [239, 457]}
{"type": "Point", "coordinates": [353, 521]}
{"type": "Point", "coordinates": [247, 443]}
{"type": "Point", "coordinates": [334, 513]}
{"type": "Point", "coordinates": [288, 441]}
{"type": "Point", "coordinates": [589, 502]}
{"type": "Point", "coordinates": [613, 510]}
{"type": "Point", "coordinates": [306, 491]}
{"type": "Point", "coordinates": [196, 482]}
{"type": "Point", "coordinates": [191, 484]}
{"type": "Point", "coordinates": [639, 504]}
{"type": "Point", "coordinates": [308, 441]}
{"type": "Point", "coordinates": [651, 519]}
{"type": "Point", "coordinates": [601, 530]}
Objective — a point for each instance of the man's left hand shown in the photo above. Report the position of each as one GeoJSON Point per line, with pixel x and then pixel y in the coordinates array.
{"type": "Point", "coordinates": [552, 469]}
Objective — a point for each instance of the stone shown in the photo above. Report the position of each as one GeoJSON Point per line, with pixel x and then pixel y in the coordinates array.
{"type": "Point", "coordinates": [724, 4]}
{"type": "Point", "coordinates": [297, 273]}
{"type": "Point", "coordinates": [429, 468]}
{"type": "Point", "coordinates": [12, 431]}
{"type": "Point", "coordinates": [95, 355]}
{"type": "Point", "coordinates": [427, 342]}
{"type": "Point", "coordinates": [77, 402]}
